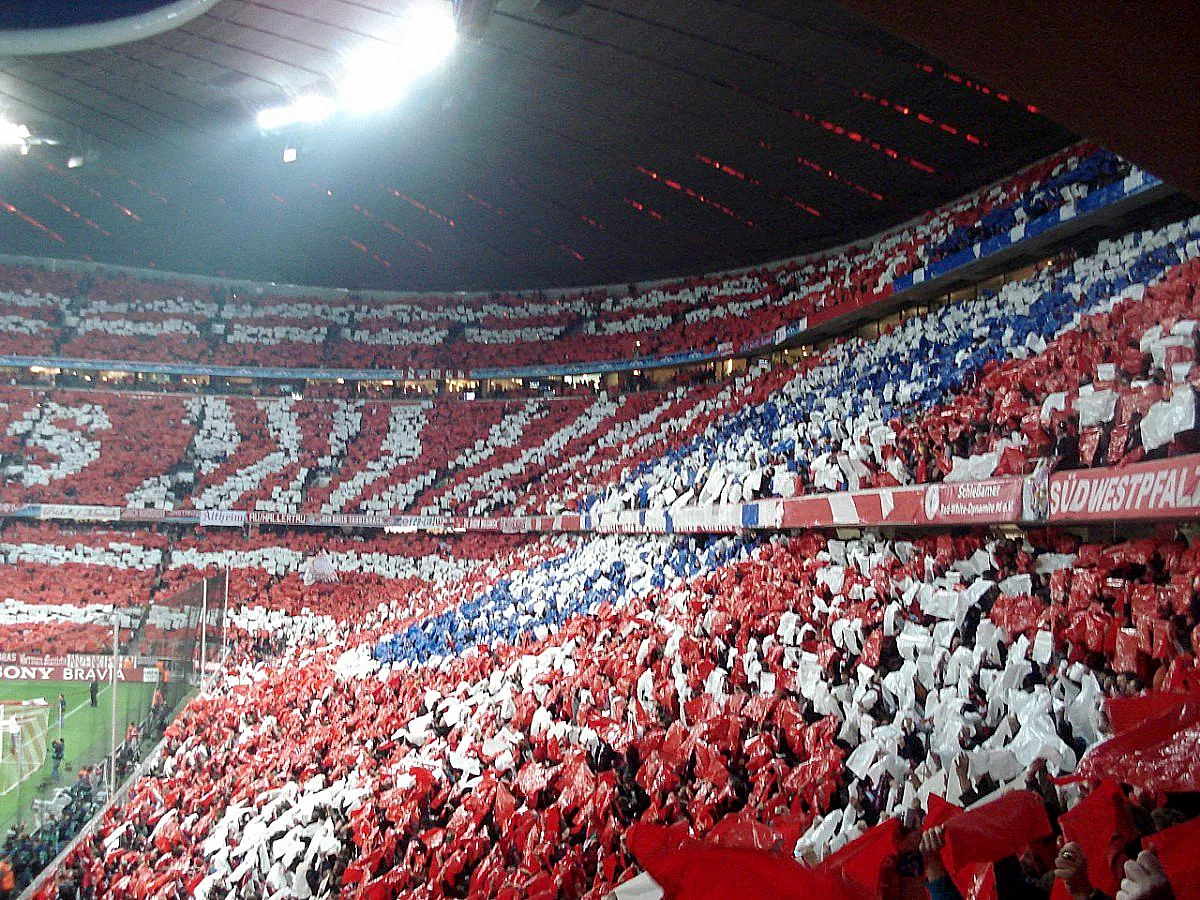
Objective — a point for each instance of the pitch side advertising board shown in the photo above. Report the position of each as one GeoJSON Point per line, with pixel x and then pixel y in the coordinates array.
{"type": "Point", "coordinates": [69, 667]}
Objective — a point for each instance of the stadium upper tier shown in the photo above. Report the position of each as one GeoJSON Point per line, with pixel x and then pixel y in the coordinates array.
{"type": "Point", "coordinates": [146, 318]}
{"type": "Point", "coordinates": [1087, 363]}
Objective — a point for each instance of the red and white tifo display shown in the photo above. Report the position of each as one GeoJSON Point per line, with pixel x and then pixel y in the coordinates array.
{"type": "Point", "coordinates": [156, 319]}
{"type": "Point", "coordinates": [565, 716]}
{"type": "Point", "coordinates": [1091, 363]}
{"type": "Point", "coordinates": [914, 616]}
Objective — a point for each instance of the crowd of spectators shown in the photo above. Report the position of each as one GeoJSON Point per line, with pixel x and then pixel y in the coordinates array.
{"type": "Point", "coordinates": [598, 708]}
{"type": "Point", "coordinates": [152, 319]}
{"type": "Point", "coordinates": [973, 389]}
{"type": "Point", "coordinates": [28, 850]}
{"type": "Point", "coordinates": [1088, 363]}
{"type": "Point", "coordinates": [52, 605]}
{"type": "Point", "coordinates": [569, 716]}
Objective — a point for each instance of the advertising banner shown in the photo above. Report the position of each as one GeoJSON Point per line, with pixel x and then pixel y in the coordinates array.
{"type": "Point", "coordinates": [222, 518]}
{"type": "Point", "coordinates": [143, 515]}
{"type": "Point", "coordinates": [18, 672]}
{"type": "Point", "coordinates": [993, 501]}
{"type": "Point", "coordinates": [70, 667]}
{"type": "Point", "coordinates": [1162, 489]}
{"type": "Point", "coordinates": [276, 518]}
{"type": "Point", "coordinates": [348, 520]}
{"type": "Point", "coordinates": [725, 519]}
{"type": "Point", "coordinates": [79, 513]}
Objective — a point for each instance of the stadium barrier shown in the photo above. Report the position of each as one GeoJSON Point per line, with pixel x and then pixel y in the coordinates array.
{"type": "Point", "coordinates": [1160, 489]}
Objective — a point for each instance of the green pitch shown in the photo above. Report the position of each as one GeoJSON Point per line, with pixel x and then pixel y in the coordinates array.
{"type": "Point", "coordinates": [86, 733]}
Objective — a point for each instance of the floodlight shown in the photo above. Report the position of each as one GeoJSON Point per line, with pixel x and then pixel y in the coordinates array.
{"type": "Point", "coordinates": [310, 108]}
{"type": "Point", "coordinates": [289, 154]}
{"type": "Point", "coordinates": [74, 162]}
{"type": "Point", "coordinates": [12, 133]}
{"type": "Point", "coordinates": [377, 77]}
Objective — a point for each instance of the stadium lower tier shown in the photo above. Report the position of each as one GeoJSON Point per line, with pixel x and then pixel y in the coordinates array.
{"type": "Point", "coordinates": [590, 711]}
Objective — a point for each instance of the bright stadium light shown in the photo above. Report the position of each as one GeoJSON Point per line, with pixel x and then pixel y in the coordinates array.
{"type": "Point", "coordinates": [309, 109]}
{"type": "Point", "coordinates": [377, 77]}
{"type": "Point", "coordinates": [289, 154]}
{"type": "Point", "coordinates": [13, 134]}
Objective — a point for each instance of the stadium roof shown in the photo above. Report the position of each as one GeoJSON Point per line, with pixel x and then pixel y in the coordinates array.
{"type": "Point", "coordinates": [626, 141]}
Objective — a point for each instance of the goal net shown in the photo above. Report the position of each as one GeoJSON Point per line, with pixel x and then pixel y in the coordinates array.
{"type": "Point", "coordinates": [23, 742]}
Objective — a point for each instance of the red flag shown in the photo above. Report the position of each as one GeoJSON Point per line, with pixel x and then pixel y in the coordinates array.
{"type": "Point", "coordinates": [940, 812]}
{"type": "Point", "coordinates": [975, 881]}
{"type": "Point", "coordinates": [1126, 713]}
{"type": "Point", "coordinates": [743, 830]}
{"type": "Point", "coordinates": [645, 841]}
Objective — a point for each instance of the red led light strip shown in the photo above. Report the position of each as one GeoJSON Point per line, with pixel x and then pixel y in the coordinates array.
{"type": "Point", "coordinates": [77, 215]}
{"type": "Point", "coordinates": [95, 193]}
{"type": "Point", "coordinates": [428, 210]}
{"type": "Point", "coordinates": [904, 110]}
{"type": "Point", "coordinates": [839, 178]}
{"type": "Point", "coordinates": [479, 201]}
{"type": "Point", "coordinates": [976, 86]}
{"type": "Point", "coordinates": [358, 245]}
{"type": "Point", "coordinates": [561, 246]}
{"type": "Point", "coordinates": [860, 138]}
{"type": "Point", "coordinates": [643, 208]}
{"type": "Point", "coordinates": [394, 229]}
{"type": "Point", "coordinates": [728, 170]}
{"type": "Point", "coordinates": [695, 195]}
{"type": "Point", "coordinates": [742, 176]}
{"type": "Point", "coordinates": [31, 221]}
{"type": "Point", "coordinates": [141, 187]}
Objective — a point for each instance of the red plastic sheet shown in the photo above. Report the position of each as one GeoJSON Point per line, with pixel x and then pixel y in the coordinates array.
{"type": "Point", "coordinates": [1127, 713]}
{"type": "Point", "coordinates": [862, 860]}
{"type": "Point", "coordinates": [939, 812]}
{"type": "Point", "coordinates": [995, 830]}
{"type": "Point", "coordinates": [1017, 614]}
{"type": "Point", "coordinates": [1102, 824]}
{"type": "Point", "coordinates": [717, 873]}
{"type": "Point", "coordinates": [1155, 752]}
{"type": "Point", "coordinates": [1178, 850]}
{"type": "Point", "coordinates": [743, 830]}
{"type": "Point", "coordinates": [1128, 657]}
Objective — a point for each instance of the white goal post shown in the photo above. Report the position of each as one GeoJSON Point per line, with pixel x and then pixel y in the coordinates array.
{"type": "Point", "coordinates": [24, 725]}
